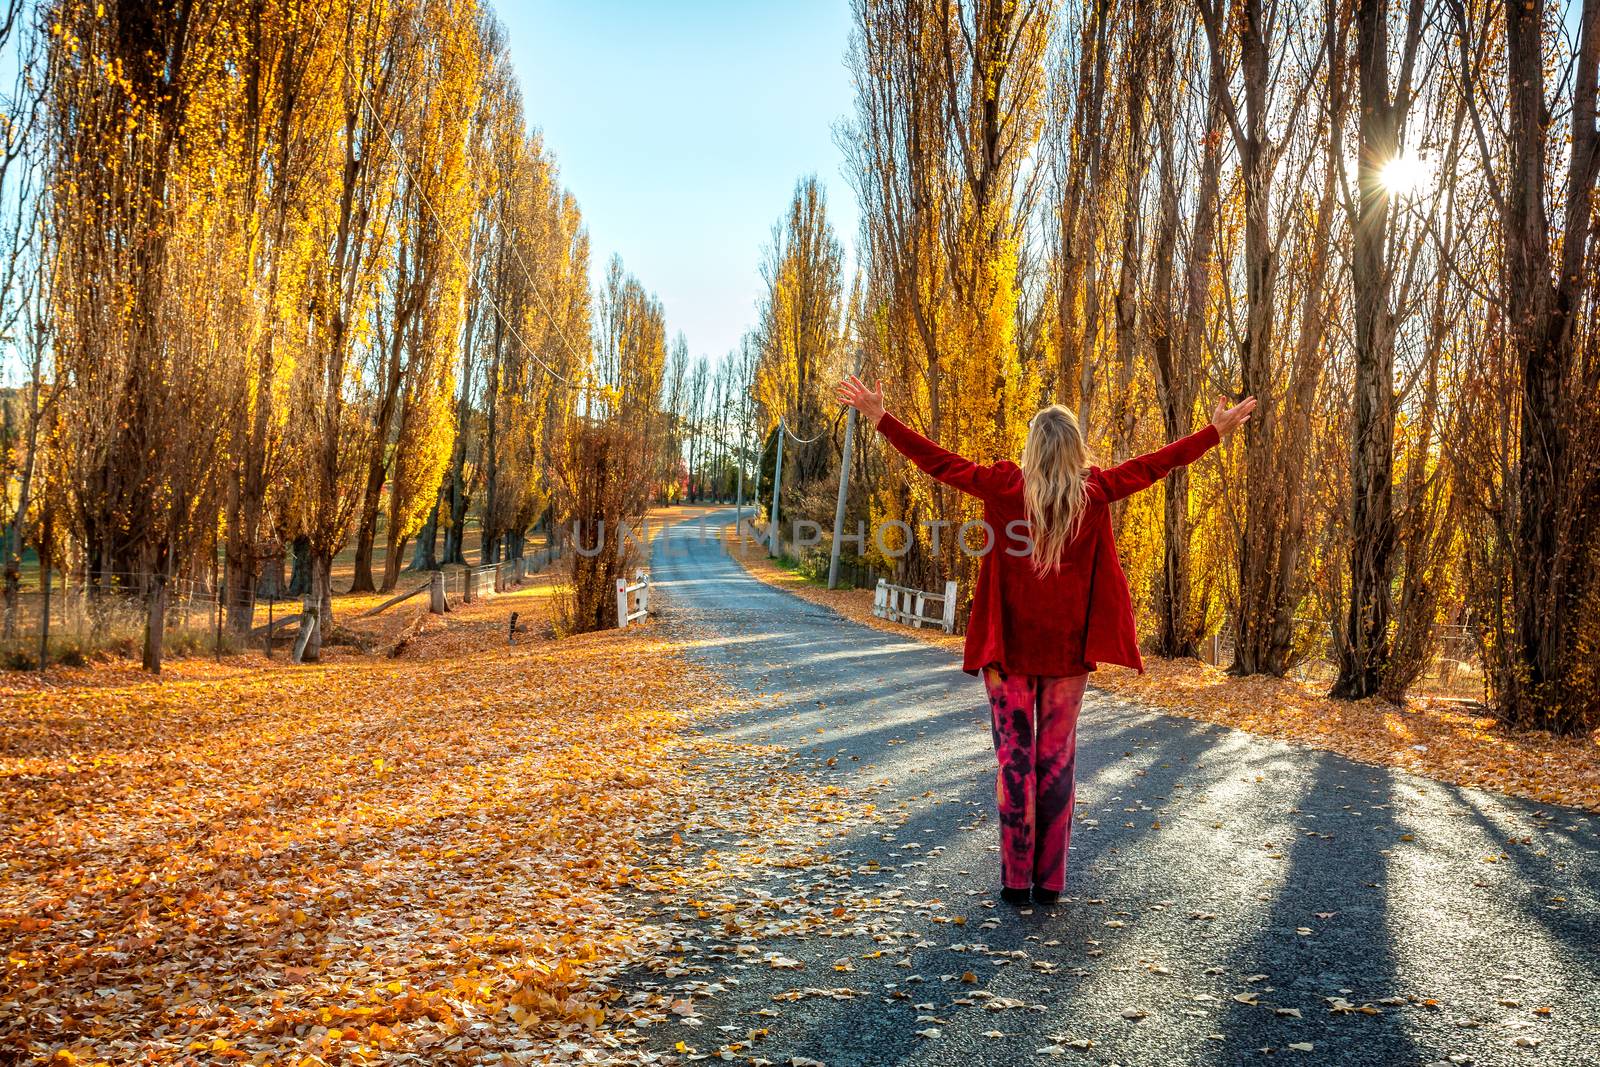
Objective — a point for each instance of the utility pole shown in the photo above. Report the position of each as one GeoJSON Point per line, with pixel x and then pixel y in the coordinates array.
{"type": "Point", "coordinates": [777, 486]}
{"type": "Point", "coordinates": [738, 500]}
{"type": "Point", "coordinates": [838, 508]}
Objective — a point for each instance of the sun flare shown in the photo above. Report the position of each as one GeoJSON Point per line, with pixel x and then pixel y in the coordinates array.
{"type": "Point", "coordinates": [1405, 174]}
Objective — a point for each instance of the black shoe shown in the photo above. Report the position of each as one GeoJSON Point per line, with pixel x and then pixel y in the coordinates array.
{"type": "Point", "coordinates": [1046, 896]}
{"type": "Point", "coordinates": [1013, 896]}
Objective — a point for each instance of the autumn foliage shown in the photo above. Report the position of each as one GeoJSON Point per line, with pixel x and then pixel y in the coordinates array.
{"type": "Point", "coordinates": [1134, 208]}
{"type": "Point", "coordinates": [289, 280]}
{"type": "Point", "coordinates": [310, 281]}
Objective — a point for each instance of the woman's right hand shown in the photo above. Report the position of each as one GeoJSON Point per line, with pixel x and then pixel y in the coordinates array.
{"type": "Point", "coordinates": [1228, 419]}
{"type": "Point", "coordinates": [853, 393]}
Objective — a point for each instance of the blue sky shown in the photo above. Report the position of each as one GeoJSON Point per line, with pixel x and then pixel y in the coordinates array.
{"type": "Point", "coordinates": [681, 128]}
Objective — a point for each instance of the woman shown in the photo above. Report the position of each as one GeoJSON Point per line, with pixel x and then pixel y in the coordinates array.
{"type": "Point", "coordinates": [1050, 604]}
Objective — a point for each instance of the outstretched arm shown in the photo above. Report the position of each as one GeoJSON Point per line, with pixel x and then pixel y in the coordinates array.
{"type": "Point", "coordinates": [953, 470]}
{"type": "Point", "coordinates": [1141, 472]}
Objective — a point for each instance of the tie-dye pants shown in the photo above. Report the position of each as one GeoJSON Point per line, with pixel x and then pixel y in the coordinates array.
{"type": "Point", "coordinates": [1035, 723]}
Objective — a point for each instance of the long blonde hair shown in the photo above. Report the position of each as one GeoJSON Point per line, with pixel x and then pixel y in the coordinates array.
{"type": "Point", "coordinates": [1054, 469]}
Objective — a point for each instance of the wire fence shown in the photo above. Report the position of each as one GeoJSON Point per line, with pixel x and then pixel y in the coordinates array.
{"type": "Point", "coordinates": [1455, 669]}
{"type": "Point", "coordinates": [74, 620]}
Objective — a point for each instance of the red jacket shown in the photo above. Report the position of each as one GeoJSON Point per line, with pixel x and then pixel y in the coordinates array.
{"type": "Point", "coordinates": [1080, 613]}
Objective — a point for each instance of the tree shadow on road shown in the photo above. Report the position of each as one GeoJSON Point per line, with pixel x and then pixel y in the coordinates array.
{"type": "Point", "coordinates": [1325, 934]}
{"type": "Point", "coordinates": [1545, 888]}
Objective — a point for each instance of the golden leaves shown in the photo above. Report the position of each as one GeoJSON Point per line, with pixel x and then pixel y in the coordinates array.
{"type": "Point", "coordinates": [326, 864]}
{"type": "Point", "coordinates": [1438, 740]}
{"type": "Point", "coordinates": [354, 857]}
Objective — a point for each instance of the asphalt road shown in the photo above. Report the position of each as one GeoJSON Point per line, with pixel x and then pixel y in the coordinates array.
{"type": "Point", "coordinates": [1247, 895]}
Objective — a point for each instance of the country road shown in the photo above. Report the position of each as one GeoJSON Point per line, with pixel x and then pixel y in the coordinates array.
{"type": "Point", "coordinates": [1230, 898]}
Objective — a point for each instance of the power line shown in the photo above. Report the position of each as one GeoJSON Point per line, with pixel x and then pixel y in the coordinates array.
{"type": "Point", "coordinates": [505, 319]}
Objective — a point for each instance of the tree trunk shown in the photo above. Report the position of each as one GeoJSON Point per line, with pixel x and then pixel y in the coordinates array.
{"type": "Point", "coordinates": [318, 604]}
{"type": "Point", "coordinates": [1364, 649]}
{"type": "Point", "coordinates": [44, 596]}
{"type": "Point", "coordinates": [272, 584]}
{"type": "Point", "coordinates": [423, 556]}
{"type": "Point", "coordinates": [1125, 308]}
{"type": "Point", "coordinates": [16, 531]}
{"type": "Point", "coordinates": [308, 642]}
{"type": "Point", "coordinates": [367, 532]}
{"type": "Point", "coordinates": [13, 579]}
{"type": "Point", "coordinates": [1549, 572]}
{"type": "Point", "coordinates": [455, 533]}
{"type": "Point", "coordinates": [1178, 372]}
{"type": "Point", "coordinates": [1081, 219]}
{"type": "Point", "coordinates": [155, 623]}
{"type": "Point", "coordinates": [395, 551]}
{"type": "Point", "coordinates": [300, 567]}
{"type": "Point", "coordinates": [246, 501]}
{"type": "Point", "coordinates": [1261, 646]}
{"type": "Point", "coordinates": [239, 581]}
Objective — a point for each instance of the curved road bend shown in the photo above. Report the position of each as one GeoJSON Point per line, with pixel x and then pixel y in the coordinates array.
{"type": "Point", "coordinates": [1382, 918]}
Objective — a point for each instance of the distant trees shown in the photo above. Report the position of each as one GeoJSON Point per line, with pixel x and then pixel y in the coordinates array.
{"type": "Point", "coordinates": [800, 332]}
{"type": "Point", "coordinates": [614, 453]}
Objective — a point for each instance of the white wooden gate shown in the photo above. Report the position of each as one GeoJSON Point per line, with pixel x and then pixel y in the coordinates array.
{"type": "Point", "coordinates": [899, 603]}
{"type": "Point", "coordinates": [639, 589]}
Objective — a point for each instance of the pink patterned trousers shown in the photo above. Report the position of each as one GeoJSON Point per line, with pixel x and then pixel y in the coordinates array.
{"type": "Point", "coordinates": [1035, 722]}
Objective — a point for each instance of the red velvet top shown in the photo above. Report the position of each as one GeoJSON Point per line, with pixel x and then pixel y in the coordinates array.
{"type": "Point", "coordinates": [1078, 614]}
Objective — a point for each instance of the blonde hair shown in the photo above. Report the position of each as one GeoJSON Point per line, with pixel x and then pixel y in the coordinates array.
{"type": "Point", "coordinates": [1054, 470]}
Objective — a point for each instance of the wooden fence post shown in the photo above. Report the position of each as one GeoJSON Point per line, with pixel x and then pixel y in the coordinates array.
{"type": "Point", "coordinates": [44, 611]}
{"type": "Point", "coordinates": [950, 606]}
{"type": "Point", "coordinates": [310, 621]}
{"type": "Point", "coordinates": [622, 603]}
{"type": "Point", "coordinates": [437, 604]}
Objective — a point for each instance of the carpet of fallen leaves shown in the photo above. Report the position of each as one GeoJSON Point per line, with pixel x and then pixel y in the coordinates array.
{"type": "Point", "coordinates": [1444, 740]}
{"type": "Point", "coordinates": [432, 853]}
